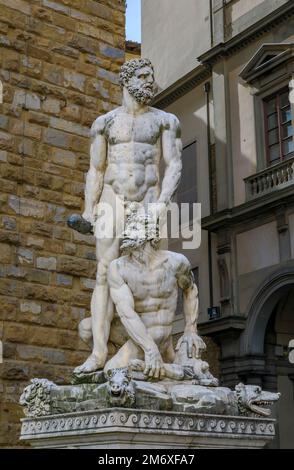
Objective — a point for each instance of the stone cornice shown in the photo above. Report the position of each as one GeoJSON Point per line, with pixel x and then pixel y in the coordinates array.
{"type": "Point", "coordinates": [249, 210]}
{"type": "Point", "coordinates": [250, 34]}
{"type": "Point", "coordinates": [127, 420]}
{"type": "Point", "coordinates": [182, 86]}
{"type": "Point", "coordinates": [221, 325]}
{"type": "Point", "coordinates": [203, 71]}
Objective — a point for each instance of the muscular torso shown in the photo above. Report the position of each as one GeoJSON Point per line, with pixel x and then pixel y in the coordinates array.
{"type": "Point", "coordinates": [155, 295]}
{"type": "Point", "coordinates": [133, 153]}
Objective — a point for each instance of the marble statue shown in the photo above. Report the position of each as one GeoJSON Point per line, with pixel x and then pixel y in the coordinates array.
{"type": "Point", "coordinates": [144, 285]}
{"type": "Point", "coordinates": [44, 398]}
{"type": "Point", "coordinates": [135, 381]}
{"type": "Point", "coordinates": [128, 145]}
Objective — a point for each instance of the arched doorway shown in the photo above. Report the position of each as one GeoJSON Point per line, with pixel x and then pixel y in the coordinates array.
{"type": "Point", "coordinates": [269, 330]}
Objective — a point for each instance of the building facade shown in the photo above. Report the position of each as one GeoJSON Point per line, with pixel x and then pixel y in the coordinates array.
{"type": "Point", "coordinates": [59, 70]}
{"type": "Point", "coordinates": [225, 68]}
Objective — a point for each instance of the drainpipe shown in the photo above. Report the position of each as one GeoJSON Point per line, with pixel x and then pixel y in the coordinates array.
{"type": "Point", "coordinates": [207, 88]}
{"type": "Point", "coordinates": [211, 22]}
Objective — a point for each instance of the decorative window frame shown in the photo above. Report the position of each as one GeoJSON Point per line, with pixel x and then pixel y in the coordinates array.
{"type": "Point", "coordinates": [266, 78]}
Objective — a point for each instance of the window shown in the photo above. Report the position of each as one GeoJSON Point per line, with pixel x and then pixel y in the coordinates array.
{"type": "Point", "coordinates": [278, 127]}
{"type": "Point", "coordinates": [187, 190]}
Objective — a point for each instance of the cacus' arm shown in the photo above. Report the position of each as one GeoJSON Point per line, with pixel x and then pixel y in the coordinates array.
{"type": "Point", "coordinates": [190, 294]}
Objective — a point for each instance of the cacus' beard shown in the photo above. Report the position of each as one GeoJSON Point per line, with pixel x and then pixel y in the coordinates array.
{"type": "Point", "coordinates": [128, 245]}
{"type": "Point", "coordinates": [141, 94]}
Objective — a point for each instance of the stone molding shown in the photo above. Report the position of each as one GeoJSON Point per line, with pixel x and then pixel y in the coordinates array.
{"type": "Point", "coordinates": [182, 87]}
{"type": "Point", "coordinates": [263, 205]}
{"type": "Point", "coordinates": [203, 71]}
{"type": "Point", "coordinates": [127, 420]}
{"type": "Point", "coordinates": [244, 38]}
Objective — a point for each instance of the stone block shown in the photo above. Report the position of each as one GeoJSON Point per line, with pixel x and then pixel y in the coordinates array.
{"type": "Point", "coordinates": [50, 196]}
{"type": "Point", "coordinates": [54, 246]}
{"type": "Point", "coordinates": [30, 66]}
{"type": "Point", "coordinates": [39, 276]}
{"type": "Point", "coordinates": [56, 138]}
{"type": "Point", "coordinates": [15, 271]}
{"type": "Point", "coordinates": [9, 223]}
{"type": "Point", "coordinates": [97, 86]}
{"type": "Point", "coordinates": [75, 266]}
{"type": "Point", "coordinates": [25, 256]}
{"type": "Point", "coordinates": [46, 263]}
{"type": "Point", "coordinates": [32, 101]}
{"type": "Point", "coordinates": [72, 201]}
{"type": "Point", "coordinates": [43, 229]}
{"type": "Point", "coordinates": [11, 238]}
{"type": "Point", "coordinates": [99, 10]}
{"type": "Point", "coordinates": [56, 214]}
{"type": "Point", "coordinates": [8, 308]}
{"type": "Point", "coordinates": [69, 126]}
{"type": "Point", "coordinates": [70, 249]}
{"type": "Point", "coordinates": [26, 207]}
{"type": "Point", "coordinates": [84, 44]}
{"type": "Point", "coordinates": [3, 156]}
{"type": "Point", "coordinates": [74, 80]}
{"type": "Point", "coordinates": [109, 76]}
{"type": "Point", "coordinates": [5, 253]}
{"type": "Point", "coordinates": [64, 280]}
{"type": "Point", "coordinates": [30, 307]}
{"type": "Point", "coordinates": [32, 131]}
{"type": "Point", "coordinates": [53, 74]}
{"type": "Point", "coordinates": [83, 239]}
{"type": "Point", "coordinates": [3, 122]}
{"type": "Point", "coordinates": [88, 284]}
{"type": "Point", "coordinates": [111, 52]}
{"type": "Point", "coordinates": [35, 242]}
{"type": "Point", "coordinates": [19, 5]}
{"type": "Point", "coordinates": [72, 112]}
{"type": "Point", "coordinates": [13, 370]}
{"type": "Point", "coordinates": [79, 144]}
{"type": "Point", "coordinates": [51, 106]}
{"type": "Point", "coordinates": [36, 353]}
{"type": "Point", "coordinates": [56, 6]}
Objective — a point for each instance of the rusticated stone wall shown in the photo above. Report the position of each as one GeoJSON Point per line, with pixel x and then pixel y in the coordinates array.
{"type": "Point", "coordinates": [59, 66]}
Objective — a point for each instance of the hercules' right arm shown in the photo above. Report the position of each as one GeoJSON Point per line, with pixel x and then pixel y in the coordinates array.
{"type": "Point", "coordinates": [95, 175]}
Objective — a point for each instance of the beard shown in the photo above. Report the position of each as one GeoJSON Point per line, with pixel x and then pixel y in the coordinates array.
{"type": "Point", "coordinates": [141, 94]}
{"type": "Point", "coordinates": [128, 245]}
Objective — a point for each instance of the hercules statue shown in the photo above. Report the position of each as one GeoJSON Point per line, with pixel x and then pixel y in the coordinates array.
{"type": "Point", "coordinates": [128, 145]}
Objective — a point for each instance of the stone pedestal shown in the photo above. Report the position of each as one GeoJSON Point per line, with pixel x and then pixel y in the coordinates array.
{"type": "Point", "coordinates": [120, 428]}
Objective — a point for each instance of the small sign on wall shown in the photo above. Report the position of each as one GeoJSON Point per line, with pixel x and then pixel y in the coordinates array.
{"type": "Point", "coordinates": [214, 313]}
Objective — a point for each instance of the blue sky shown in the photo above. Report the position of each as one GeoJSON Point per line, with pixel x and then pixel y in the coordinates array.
{"type": "Point", "coordinates": [133, 20]}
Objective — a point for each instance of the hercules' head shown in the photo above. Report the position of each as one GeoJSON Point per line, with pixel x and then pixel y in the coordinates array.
{"type": "Point", "coordinates": [137, 75]}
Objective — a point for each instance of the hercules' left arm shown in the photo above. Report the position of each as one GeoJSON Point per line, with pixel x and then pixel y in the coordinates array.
{"type": "Point", "coordinates": [172, 153]}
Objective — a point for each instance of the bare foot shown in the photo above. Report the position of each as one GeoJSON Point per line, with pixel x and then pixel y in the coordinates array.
{"type": "Point", "coordinates": [92, 364]}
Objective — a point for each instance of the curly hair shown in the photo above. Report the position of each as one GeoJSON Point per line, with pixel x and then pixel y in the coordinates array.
{"type": "Point", "coordinates": [128, 69]}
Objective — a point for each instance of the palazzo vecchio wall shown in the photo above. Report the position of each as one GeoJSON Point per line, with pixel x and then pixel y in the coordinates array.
{"type": "Point", "coordinates": [59, 68]}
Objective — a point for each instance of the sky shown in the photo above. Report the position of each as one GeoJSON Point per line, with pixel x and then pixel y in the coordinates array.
{"type": "Point", "coordinates": [133, 20]}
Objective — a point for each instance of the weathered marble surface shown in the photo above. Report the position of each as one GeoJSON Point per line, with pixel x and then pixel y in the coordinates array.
{"type": "Point", "coordinates": [128, 145]}
{"type": "Point", "coordinates": [43, 397]}
{"type": "Point", "coordinates": [129, 429]}
{"type": "Point", "coordinates": [134, 364]}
